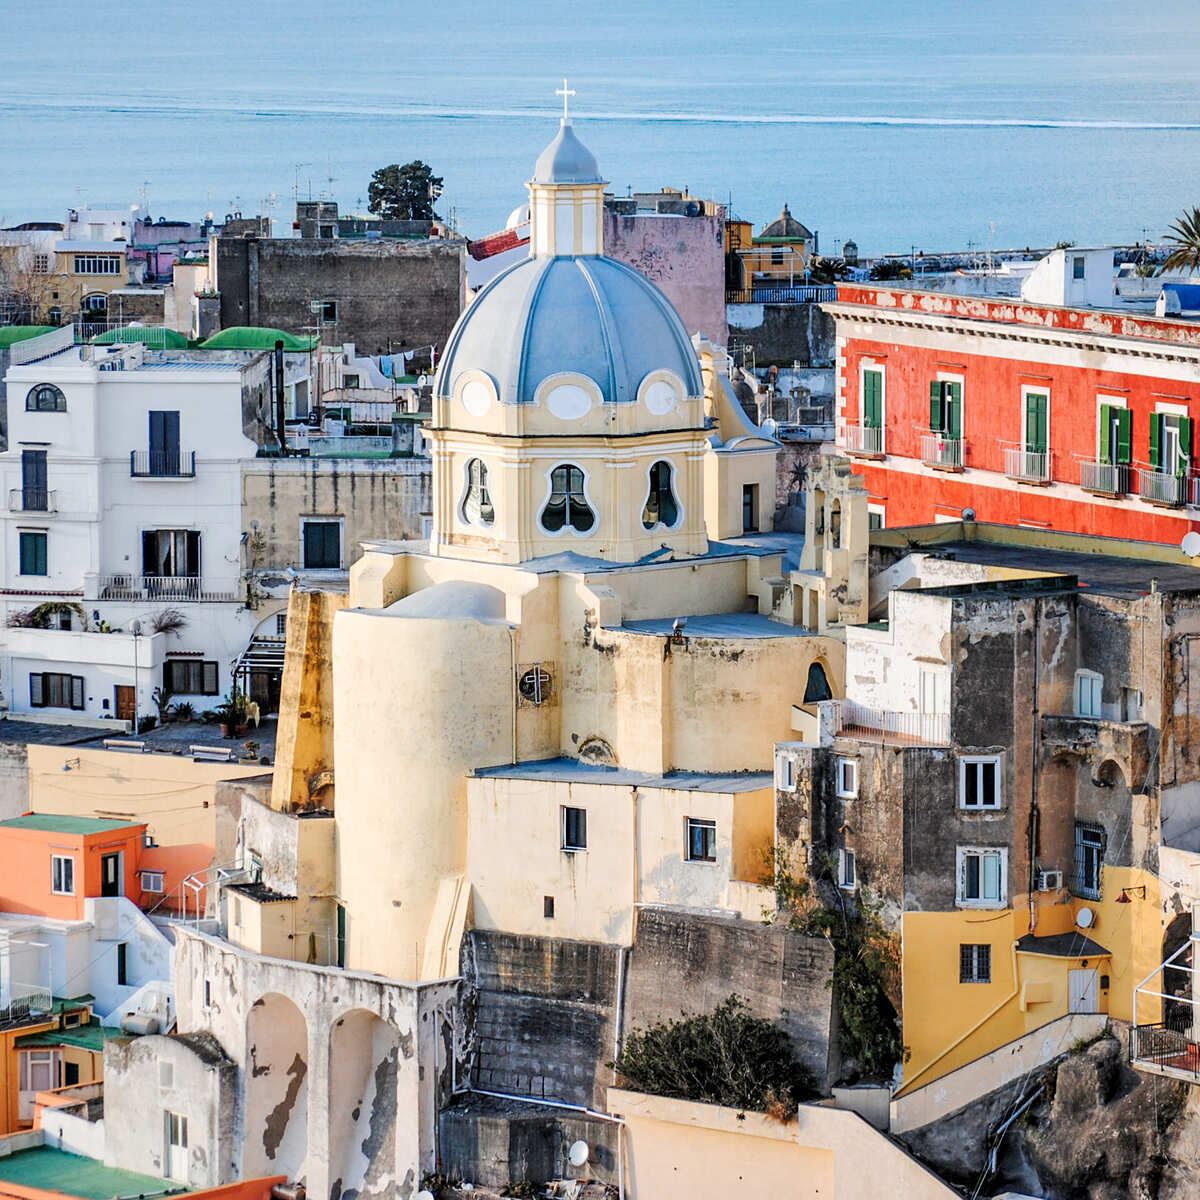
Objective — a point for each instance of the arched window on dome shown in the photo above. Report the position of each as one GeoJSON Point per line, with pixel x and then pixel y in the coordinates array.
{"type": "Point", "coordinates": [568, 503]}
{"type": "Point", "coordinates": [661, 506]}
{"type": "Point", "coordinates": [476, 506]}
{"type": "Point", "coordinates": [45, 397]}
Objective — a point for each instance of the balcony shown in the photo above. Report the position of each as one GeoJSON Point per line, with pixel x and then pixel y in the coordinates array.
{"type": "Point", "coordinates": [1106, 479]}
{"type": "Point", "coordinates": [1027, 466]}
{"type": "Point", "coordinates": [32, 500]}
{"type": "Point", "coordinates": [806, 294]}
{"type": "Point", "coordinates": [889, 727]}
{"type": "Point", "coordinates": [1097, 740]}
{"type": "Point", "coordinates": [162, 464]}
{"type": "Point", "coordinates": [941, 452]}
{"type": "Point", "coordinates": [162, 587]}
{"type": "Point", "coordinates": [864, 441]}
{"type": "Point", "coordinates": [1166, 490]}
{"type": "Point", "coordinates": [1165, 1037]}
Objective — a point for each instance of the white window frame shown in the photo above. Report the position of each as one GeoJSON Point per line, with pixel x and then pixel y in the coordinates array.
{"type": "Point", "coordinates": [962, 853]}
{"type": "Point", "coordinates": [706, 823]}
{"type": "Point", "coordinates": [877, 510]}
{"type": "Point", "coordinates": [847, 778]}
{"type": "Point", "coordinates": [56, 873]}
{"type": "Point", "coordinates": [785, 773]}
{"type": "Point", "coordinates": [1089, 694]}
{"type": "Point", "coordinates": [1103, 402]}
{"type": "Point", "coordinates": [847, 870]}
{"type": "Point", "coordinates": [971, 761]}
{"type": "Point", "coordinates": [148, 882]}
{"type": "Point", "coordinates": [569, 848]}
{"type": "Point", "coordinates": [1040, 389]}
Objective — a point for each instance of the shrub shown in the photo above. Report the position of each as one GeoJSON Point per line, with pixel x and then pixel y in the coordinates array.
{"type": "Point", "coordinates": [727, 1057]}
{"type": "Point", "coordinates": [145, 724]}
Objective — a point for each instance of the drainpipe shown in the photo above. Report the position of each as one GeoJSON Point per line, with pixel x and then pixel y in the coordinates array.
{"type": "Point", "coordinates": [621, 965]}
{"type": "Point", "coordinates": [1037, 744]}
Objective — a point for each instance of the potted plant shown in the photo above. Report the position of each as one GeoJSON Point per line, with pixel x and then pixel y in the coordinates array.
{"type": "Point", "coordinates": [231, 713]}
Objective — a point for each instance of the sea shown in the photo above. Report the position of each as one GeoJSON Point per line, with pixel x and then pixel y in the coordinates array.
{"type": "Point", "coordinates": [927, 125]}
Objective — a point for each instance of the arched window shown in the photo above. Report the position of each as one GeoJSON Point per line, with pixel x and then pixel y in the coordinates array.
{"type": "Point", "coordinates": [661, 506]}
{"type": "Point", "coordinates": [477, 501]}
{"type": "Point", "coordinates": [567, 504]}
{"type": "Point", "coordinates": [45, 397]}
{"type": "Point", "coordinates": [818, 685]}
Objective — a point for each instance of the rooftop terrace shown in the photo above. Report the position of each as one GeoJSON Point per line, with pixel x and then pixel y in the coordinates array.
{"type": "Point", "coordinates": [73, 1175]}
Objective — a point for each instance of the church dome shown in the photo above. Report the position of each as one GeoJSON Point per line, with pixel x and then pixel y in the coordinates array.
{"type": "Point", "coordinates": [566, 160]}
{"type": "Point", "coordinates": [785, 226]}
{"type": "Point", "coordinates": [589, 315]}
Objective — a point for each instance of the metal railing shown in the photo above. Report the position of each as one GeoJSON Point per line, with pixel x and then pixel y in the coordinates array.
{"type": "Point", "coordinates": [804, 294]}
{"type": "Point", "coordinates": [1032, 466]}
{"type": "Point", "coordinates": [161, 587]}
{"type": "Point", "coordinates": [162, 464]}
{"type": "Point", "coordinates": [25, 499]}
{"type": "Point", "coordinates": [864, 439]}
{"type": "Point", "coordinates": [1109, 479]}
{"type": "Point", "coordinates": [1161, 487]}
{"type": "Point", "coordinates": [937, 450]}
{"type": "Point", "coordinates": [1170, 1045]}
{"type": "Point", "coordinates": [31, 1001]}
{"type": "Point", "coordinates": [888, 726]}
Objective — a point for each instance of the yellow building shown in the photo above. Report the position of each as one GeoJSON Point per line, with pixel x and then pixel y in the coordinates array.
{"type": "Point", "coordinates": [777, 257]}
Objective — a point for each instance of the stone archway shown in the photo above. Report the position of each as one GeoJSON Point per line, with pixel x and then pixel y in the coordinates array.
{"type": "Point", "coordinates": [277, 1067]}
{"type": "Point", "coordinates": [364, 1056]}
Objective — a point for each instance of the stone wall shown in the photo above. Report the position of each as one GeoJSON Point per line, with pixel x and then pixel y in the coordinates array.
{"type": "Point", "coordinates": [783, 333]}
{"type": "Point", "coordinates": [14, 779]}
{"type": "Point", "coordinates": [390, 294]}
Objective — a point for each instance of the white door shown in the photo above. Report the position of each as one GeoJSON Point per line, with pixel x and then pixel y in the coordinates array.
{"type": "Point", "coordinates": [177, 1147]}
{"type": "Point", "coordinates": [1084, 987]}
{"type": "Point", "coordinates": [41, 1071]}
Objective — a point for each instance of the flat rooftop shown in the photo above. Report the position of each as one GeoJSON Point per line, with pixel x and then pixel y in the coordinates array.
{"type": "Point", "coordinates": [571, 770]}
{"type": "Point", "coordinates": [57, 823]}
{"type": "Point", "coordinates": [73, 1175]}
{"type": "Point", "coordinates": [719, 625]}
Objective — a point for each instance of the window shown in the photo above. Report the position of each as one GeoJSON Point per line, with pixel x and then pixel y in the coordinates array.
{"type": "Point", "coordinates": [1078, 266]}
{"type": "Point", "coordinates": [1089, 691]}
{"type": "Point", "coordinates": [974, 964]}
{"type": "Point", "coordinates": [1115, 429]}
{"type": "Point", "coordinates": [1037, 422]}
{"type": "Point", "coordinates": [165, 459]}
{"type": "Point", "coordinates": [122, 964]}
{"type": "Point", "coordinates": [847, 778]}
{"type": "Point", "coordinates": [982, 879]}
{"type": "Point", "coordinates": [872, 405]}
{"type": "Point", "coordinates": [1170, 443]}
{"type": "Point", "coordinates": [777, 256]}
{"type": "Point", "coordinates": [97, 264]}
{"type": "Point", "coordinates": [1131, 704]}
{"type": "Point", "coordinates": [816, 687]}
{"type": "Point", "coordinates": [190, 677]}
{"type": "Point", "coordinates": [45, 397]}
{"type": "Point", "coordinates": [152, 881]}
{"type": "Point", "coordinates": [329, 312]}
{"type": "Point", "coordinates": [945, 407]}
{"type": "Point", "coordinates": [166, 1074]}
{"type": "Point", "coordinates": [72, 1020]}
{"type": "Point", "coordinates": [785, 774]}
{"type": "Point", "coordinates": [846, 870]}
{"type": "Point", "coordinates": [39, 1069]}
{"type": "Point", "coordinates": [548, 907]}
{"type": "Point", "coordinates": [50, 690]}
{"type": "Point", "coordinates": [171, 553]}
{"type": "Point", "coordinates": [281, 624]}
{"type": "Point", "coordinates": [70, 1074]}
{"type": "Point", "coordinates": [574, 828]}
{"type": "Point", "coordinates": [322, 544]}
{"type": "Point", "coordinates": [875, 519]}
{"type": "Point", "coordinates": [701, 840]}
{"type": "Point", "coordinates": [62, 875]}
{"type": "Point", "coordinates": [41, 264]}
{"type": "Point", "coordinates": [350, 381]}
{"type": "Point", "coordinates": [568, 503]}
{"type": "Point", "coordinates": [749, 507]}
{"type": "Point", "coordinates": [95, 306]}
{"type": "Point", "coordinates": [979, 785]}
{"type": "Point", "coordinates": [1090, 844]}
{"type": "Point", "coordinates": [661, 505]}
{"type": "Point", "coordinates": [34, 496]}
{"type": "Point", "coordinates": [477, 507]}
{"type": "Point", "coordinates": [33, 552]}
{"type": "Point", "coordinates": [208, 991]}
{"type": "Point", "coordinates": [177, 1129]}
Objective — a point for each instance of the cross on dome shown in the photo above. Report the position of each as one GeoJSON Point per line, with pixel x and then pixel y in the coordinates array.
{"type": "Point", "coordinates": [565, 92]}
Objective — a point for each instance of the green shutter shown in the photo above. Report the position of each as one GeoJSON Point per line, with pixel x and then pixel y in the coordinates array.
{"type": "Point", "coordinates": [936, 412]}
{"type": "Point", "coordinates": [1185, 445]}
{"type": "Point", "coordinates": [954, 411]}
{"type": "Point", "coordinates": [1106, 411]}
{"type": "Point", "coordinates": [1036, 405]}
{"type": "Point", "coordinates": [873, 399]}
{"type": "Point", "coordinates": [1156, 420]}
{"type": "Point", "coordinates": [1124, 436]}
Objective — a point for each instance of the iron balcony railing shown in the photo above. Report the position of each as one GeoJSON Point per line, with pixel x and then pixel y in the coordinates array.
{"type": "Point", "coordinates": [1031, 466]}
{"type": "Point", "coordinates": [1161, 487]}
{"type": "Point", "coordinates": [864, 439]}
{"type": "Point", "coordinates": [161, 587]}
{"type": "Point", "coordinates": [26, 499]}
{"type": "Point", "coordinates": [1172, 1046]}
{"type": "Point", "coordinates": [852, 719]}
{"type": "Point", "coordinates": [1107, 479]}
{"type": "Point", "coordinates": [937, 450]}
{"type": "Point", "coordinates": [162, 464]}
{"type": "Point", "coordinates": [25, 1001]}
{"type": "Point", "coordinates": [804, 294]}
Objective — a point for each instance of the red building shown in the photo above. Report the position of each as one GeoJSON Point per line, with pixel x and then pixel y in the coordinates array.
{"type": "Point", "coordinates": [1078, 420]}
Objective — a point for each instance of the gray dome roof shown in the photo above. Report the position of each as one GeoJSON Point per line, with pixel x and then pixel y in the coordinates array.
{"type": "Point", "coordinates": [566, 160]}
{"type": "Point", "coordinates": [592, 315]}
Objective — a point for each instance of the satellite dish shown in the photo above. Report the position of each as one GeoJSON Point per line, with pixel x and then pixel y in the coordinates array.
{"type": "Point", "coordinates": [769, 427]}
{"type": "Point", "coordinates": [1190, 544]}
{"type": "Point", "coordinates": [425, 1194]}
{"type": "Point", "coordinates": [422, 380]}
{"type": "Point", "coordinates": [1084, 918]}
{"type": "Point", "coordinates": [579, 1153]}
{"type": "Point", "coordinates": [968, 514]}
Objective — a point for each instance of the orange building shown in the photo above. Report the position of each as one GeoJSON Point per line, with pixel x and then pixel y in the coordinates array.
{"type": "Point", "coordinates": [50, 865]}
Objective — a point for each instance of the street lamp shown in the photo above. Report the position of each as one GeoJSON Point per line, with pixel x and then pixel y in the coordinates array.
{"type": "Point", "coordinates": [135, 628]}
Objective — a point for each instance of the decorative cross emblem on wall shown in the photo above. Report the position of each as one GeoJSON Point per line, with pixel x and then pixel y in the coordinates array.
{"type": "Point", "coordinates": [565, 92]}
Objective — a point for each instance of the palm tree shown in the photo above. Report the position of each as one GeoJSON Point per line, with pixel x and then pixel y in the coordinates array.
{"type": "Point", "coordinates": [1185, 238]}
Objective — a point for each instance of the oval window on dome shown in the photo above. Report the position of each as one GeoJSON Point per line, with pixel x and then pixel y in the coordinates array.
{"type": "Point", "coordinates": [661, 506]}
{"type": "Point", "coordinates": [660, 396]}
{"type": "Point", "coordinates": [568, 503]}
{"type": "Point", "coordinates": [476, 396]}
{"type": "Point", "coordinates": [476, 507]}
{"type": "Point", "coordinates": [569, 401]}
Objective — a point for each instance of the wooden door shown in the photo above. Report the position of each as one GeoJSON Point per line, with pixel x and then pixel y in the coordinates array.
{"type": "Point", "coordinates": [124, 702]}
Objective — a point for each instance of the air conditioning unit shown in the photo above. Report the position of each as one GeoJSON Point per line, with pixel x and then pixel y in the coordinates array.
{"type": "Point", "coordinates": [1049, 881]}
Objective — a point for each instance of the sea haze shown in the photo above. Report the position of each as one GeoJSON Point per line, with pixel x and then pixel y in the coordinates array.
{"type": "Point", "coordinates": [901, 123]}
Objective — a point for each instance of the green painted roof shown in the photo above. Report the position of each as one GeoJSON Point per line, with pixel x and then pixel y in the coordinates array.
{"type": "Point", "coordinates": [58, 823]}
{"type": "Point", "coordinates": [90, 1036]}
{"type": "Point", "coordinates": [252, 337]}
{"type": "Point", "coordinates": [74, 1175]}
{"type": "Point", "coordinates": [156, 336]}
{"type": "Point", "coordinates": [18, 333]}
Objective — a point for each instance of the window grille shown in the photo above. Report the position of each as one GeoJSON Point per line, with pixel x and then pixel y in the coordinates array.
{"type": "Point", "coordinates": [974, 964]}
{"type": "Point", "coordinates": [1090, 845]}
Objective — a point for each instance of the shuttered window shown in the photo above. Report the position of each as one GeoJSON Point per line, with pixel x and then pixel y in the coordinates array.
{"type": "Point", "coordinates": [1116, 435]}
{"type": "Point", "coordinates": [945, 408]}
{"type": "Point", "coordinates": [50, 690]}
{"type": "Point", "coordinates": [322, 544]}
{"type": "Point", "coordinates": [1037, 422]}
{"type": "Point", "coordinates": [873, 399]}
{"type": "Point", "coordinates": [190, 677]}
{"type": "Point", "coordinates": [33, 552]}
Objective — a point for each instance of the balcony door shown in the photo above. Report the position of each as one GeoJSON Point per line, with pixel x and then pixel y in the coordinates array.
{"type": "Point", "coordinates": [164, 443]}
{"type": "Point", "coordinates": [110, 874]}
{"type": "Point", "coordinates": [171, 563]}
{"type": "Point", "coordinates": [33, 480]}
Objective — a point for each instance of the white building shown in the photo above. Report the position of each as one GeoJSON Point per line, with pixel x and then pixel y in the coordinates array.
{"type": "Point", "coordinates": [120, 498]}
